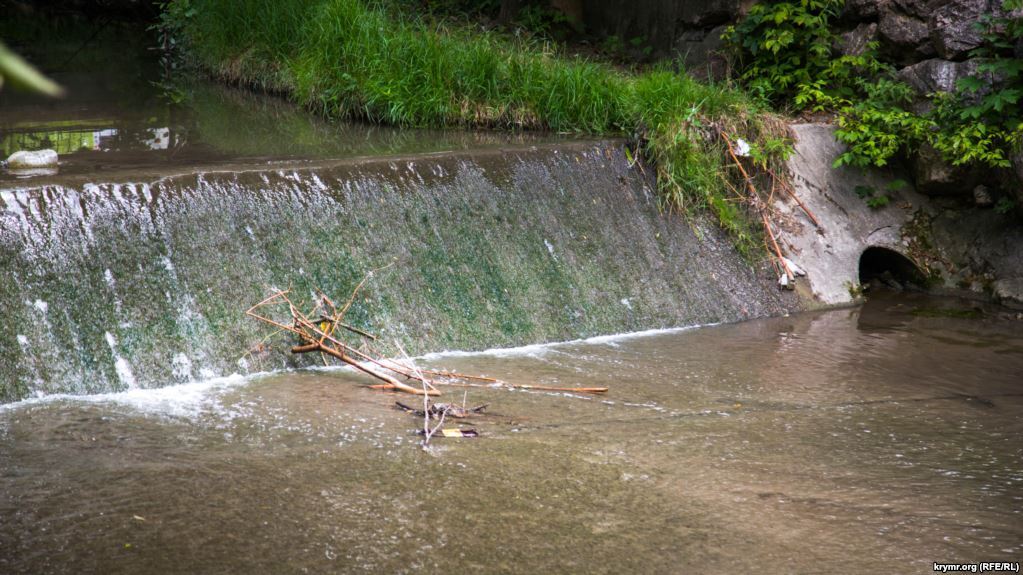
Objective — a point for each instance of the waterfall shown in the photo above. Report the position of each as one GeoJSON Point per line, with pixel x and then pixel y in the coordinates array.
{"type": "Point", "coordinates": [143, 281]}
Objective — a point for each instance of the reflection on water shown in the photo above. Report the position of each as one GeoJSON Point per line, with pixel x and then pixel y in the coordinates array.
{"type": "Point", "coordinates": [876, 437]}
{"type": "Point", "coordinates": [119, 113]}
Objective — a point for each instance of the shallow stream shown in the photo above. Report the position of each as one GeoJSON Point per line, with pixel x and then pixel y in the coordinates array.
{"type": "Point", "coordinates": [881, 437]}
{"type": "Point", "coordinates": [885, 436]}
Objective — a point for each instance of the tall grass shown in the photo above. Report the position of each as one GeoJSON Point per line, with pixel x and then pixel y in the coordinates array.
{"type": "Point", "coordinates": [354, 59]}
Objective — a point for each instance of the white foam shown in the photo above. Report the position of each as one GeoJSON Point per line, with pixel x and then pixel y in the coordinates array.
{"type": "Point", "coordinates": [193, 398]}
{"type": "Point", "coordinates": [181, 366]}
{"type": "Point", "coordinates": [184, 400]}
{"type": "Point", "coordinates": [539, 349]}
{"type": "Point", "coordinates": [550, 248]}
{"type": "Point", "coordinates": [121, 365]}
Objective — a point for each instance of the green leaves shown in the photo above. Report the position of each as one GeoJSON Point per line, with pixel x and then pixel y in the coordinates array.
{"type": "Point", "coordinates": [983, 122]}
{"type": "Point", "coordinates": [969, 84]}
{"type": "Point", "coordinates": [786, 53]}
{"type": "Point", "coordinates": [873, 199]}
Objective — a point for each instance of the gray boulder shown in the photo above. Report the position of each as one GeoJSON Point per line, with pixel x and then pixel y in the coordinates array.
{"type": "Point", "coordinates": [703, 54]}
{"type": "Point", "coordinates": [982, 197]}
{"type": "Point", "coordinates": [937, 75]}
{"type": "Point", "coordinates": [854, 42]}
{"type": "Point", "coordinates": [860, 10]}
{"type": "Point", "coordinates": [1009, 292]}
{"type": "Point", "coordinates": [705, 13]}
{"type": "Point", "coordinates": [904, 39]}
{"type": "Point", "coordinates": [921, 9]}
{"type": "Point", "coordinates": [953, 27]}
{"type": "Point", "coordinates": [1017, 183]}
{"type": "Point", "coordinates": [25, 160]}
{"type": "Point", "coordinates": [661, 23]}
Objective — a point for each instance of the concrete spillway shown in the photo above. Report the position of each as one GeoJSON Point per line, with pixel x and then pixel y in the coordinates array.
{"type": "Point", "coordinates": [143, 282]}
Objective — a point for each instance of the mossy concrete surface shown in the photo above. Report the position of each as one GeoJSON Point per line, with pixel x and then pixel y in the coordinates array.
{"type": "Point", "coordinates": [144, 282]}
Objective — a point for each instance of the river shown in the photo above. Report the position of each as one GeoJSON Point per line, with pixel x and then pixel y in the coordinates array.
{"type": "Point", "coordinates": [880, 437]}
{"type": "Point", "coordinates": [885, 436]}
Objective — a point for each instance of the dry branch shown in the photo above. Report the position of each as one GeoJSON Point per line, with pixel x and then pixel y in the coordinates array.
{"type": "Point", "coordinates": [761, 206]}
{"type": "Point", "coordinates": [792, 193]}
{"type": "Point", "coordinates": [320, 336]}
{"type": "Point", "coordinates": [322, 330]}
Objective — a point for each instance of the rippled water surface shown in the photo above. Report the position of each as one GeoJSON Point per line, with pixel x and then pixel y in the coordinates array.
{"type": "Point", "coordinates": [887, 436]}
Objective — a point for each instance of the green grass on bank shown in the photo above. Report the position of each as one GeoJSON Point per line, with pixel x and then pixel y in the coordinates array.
{"type": "Point", "coordinates": [351, 59]}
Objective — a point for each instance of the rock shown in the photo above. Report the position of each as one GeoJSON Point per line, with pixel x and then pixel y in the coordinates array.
{"type": "Point", "coordinates": [24, 160]}
{"type": "Point", "coordinates": [661, 23]}
{"type": "Point", "coordinates": [920, 9]}
{"type": "Point", "coordinates": [854, 42]}
{"type": "Point", "coordinates": [1017, 168]}
{"type": "Point", "coordinates": [953, 27]}
{"type": "Point", "coordinates": [703, 13]}
{"type": "Point", "coordinates": [904, 39]}
{"type": "Point", "coordinates": [936, 177]}
{"type": "Point", "coordinates": [703, 55]}
{"type": "Point", "coordinates": [1009, 292]}
{"type": "Point", "coordinates": [859, 10]}
{"type": "Point", "coordinates": [982, 196]}
{"type": "Point", "coordinates": [937, 75]}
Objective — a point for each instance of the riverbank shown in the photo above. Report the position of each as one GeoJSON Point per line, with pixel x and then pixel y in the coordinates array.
{"type": "Point", "coordinates": [347, 60]}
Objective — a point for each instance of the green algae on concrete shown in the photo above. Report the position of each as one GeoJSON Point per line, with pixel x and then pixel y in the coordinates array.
{"type": "Point", "coordinates": [145, 284]}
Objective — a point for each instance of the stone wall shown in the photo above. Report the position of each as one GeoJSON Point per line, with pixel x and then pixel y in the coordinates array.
{"type": "Point", "coordinates": [928, 41]}
{"type": "Point", "coordinates": [687, 30]}
{"type": "Point", "coordinates": [931, 43]}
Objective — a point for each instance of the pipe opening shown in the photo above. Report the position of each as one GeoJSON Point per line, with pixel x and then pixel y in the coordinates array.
{"type": "Point", "coordinates": [885, 267]}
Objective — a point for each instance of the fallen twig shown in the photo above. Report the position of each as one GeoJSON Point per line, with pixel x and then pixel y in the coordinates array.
{"type": "Point", "coordinates": [789, 276]}
{"type": "Point", "coordinates": [792, 193]}
{"type": "Point", "coordinates": [317, 331]}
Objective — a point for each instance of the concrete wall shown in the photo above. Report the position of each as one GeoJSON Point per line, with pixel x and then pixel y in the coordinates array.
{"type": "Point", "coordinates": [975, 252]}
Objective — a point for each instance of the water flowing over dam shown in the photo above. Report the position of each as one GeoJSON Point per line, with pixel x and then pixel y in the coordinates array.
{"type": "Point", "coordinates": [148, 426]}
{"type": "Point", "coordinates": [144, 282]}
